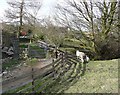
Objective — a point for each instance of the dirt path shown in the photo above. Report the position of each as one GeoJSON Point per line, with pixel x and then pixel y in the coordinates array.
{"type": "Point", "coordinates": [42, 63]}
{"type": "Point", "coordinates": [21, 69]}
{"type": "Point", "coordinates": [13, 82]}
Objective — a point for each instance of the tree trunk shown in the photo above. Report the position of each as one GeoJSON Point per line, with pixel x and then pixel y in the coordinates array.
{"type": "Point", "coordinates": [21, 16]}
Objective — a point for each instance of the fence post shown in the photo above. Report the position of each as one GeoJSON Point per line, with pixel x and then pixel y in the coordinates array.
{"type": "Point", "coordinates": [33, 79]}
{"type": "Point", "coordinates": [65, 54]}
{"type": "Point", "coordinates": [56, 54]}
{"type": "Point", "coordinates": [53, 63]}
{"type": "Point", "coordinates": [53, 67]}
{"type": "Point", "coordinates": [62, 60]}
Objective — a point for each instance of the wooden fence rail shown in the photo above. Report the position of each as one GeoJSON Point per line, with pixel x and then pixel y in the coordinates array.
{"type": "Point", "coordinates": [39, 80]}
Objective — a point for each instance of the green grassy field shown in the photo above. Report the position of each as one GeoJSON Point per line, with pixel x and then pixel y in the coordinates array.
{"type": "Point", "coordinates": [100, 77]}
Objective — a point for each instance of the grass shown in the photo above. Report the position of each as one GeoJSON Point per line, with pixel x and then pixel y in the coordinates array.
{"type": "Point", "coordinates": [100, 77]}
{"type": "Point", "coordinates": [31, 61]}
{"type": "Point", "coordinates": [69, 50]}
{"type": "Point", "coordinates": [28, 87]}
{"type": "Point", "coordinates": [14, 62]}
{"type": "Point", "coordinates": [10, 64]}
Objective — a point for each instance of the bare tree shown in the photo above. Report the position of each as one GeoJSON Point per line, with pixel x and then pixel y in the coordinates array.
{"type": "Point", "coordinates": [32, 11]}
{"type": "Point", "coordinates": [21, 10]}
{"type": "Point", "coordinates": [54, 34]}
{"type": "Point", "coordinates": [94, 21]}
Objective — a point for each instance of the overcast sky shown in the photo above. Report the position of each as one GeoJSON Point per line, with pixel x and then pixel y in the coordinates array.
{"type": "Point", "coordinates": [3, 6]}
{"type": "Point", "coordinates": [46, 9]}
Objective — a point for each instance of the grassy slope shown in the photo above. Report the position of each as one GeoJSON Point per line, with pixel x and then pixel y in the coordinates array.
{"type": "Point", "coordinates": [100, 77]}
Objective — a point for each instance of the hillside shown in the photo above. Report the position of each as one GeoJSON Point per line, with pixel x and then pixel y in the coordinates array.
{"type": "Point", "coordinates": [100, 77]}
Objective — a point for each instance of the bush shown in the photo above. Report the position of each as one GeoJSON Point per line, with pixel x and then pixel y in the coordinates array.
{"type": "Point", "coordinates": [10, 63]}
{"type": "Point", "coordinates": [38, 37]}
{"type": "Point", "coordinates": [110, 50]}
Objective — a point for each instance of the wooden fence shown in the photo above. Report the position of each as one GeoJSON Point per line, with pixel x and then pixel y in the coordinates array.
{"type": "Point", "coordinates": [39, 80]}
{"type": "Point", "coordinates": [65, 68]}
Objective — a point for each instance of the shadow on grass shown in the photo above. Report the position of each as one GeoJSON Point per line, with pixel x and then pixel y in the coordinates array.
{"type": "Point", "coordinates": [66, 78]}
{"type": "Point", "coordinates": [66, 74]}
